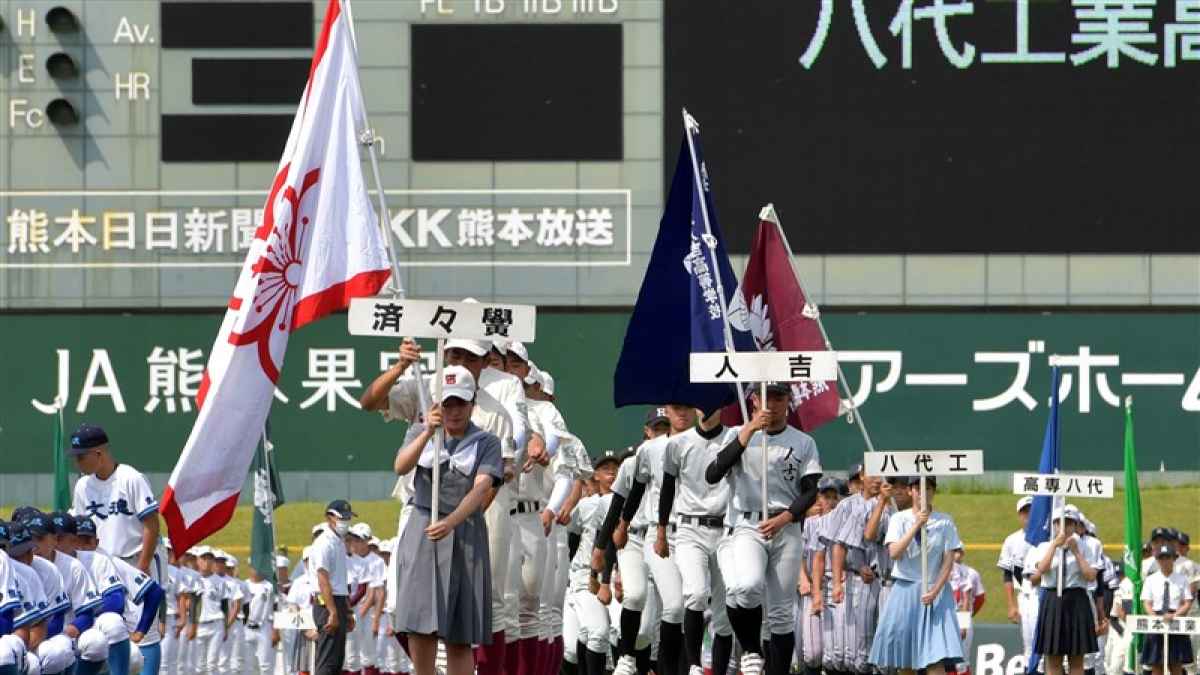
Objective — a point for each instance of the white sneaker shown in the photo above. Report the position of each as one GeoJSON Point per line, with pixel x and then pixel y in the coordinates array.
{"type": "Point", "coordinates": [626, 665]}
{"type": "Point", "coordinates": [695, 670]}
{"type": "Point", "coordinates": [752, 664]}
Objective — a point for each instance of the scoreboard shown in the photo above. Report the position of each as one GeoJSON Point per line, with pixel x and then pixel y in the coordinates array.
{"type": "Point", "coordinates": [520, 143]}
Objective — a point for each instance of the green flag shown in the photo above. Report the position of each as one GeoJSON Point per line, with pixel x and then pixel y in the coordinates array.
{"type": "Point", "coordinates": [268, 495]}
{"type": "Point", "coordinates": [62, 483]}
{"type": "Point", "coordinates": [1133, 525]}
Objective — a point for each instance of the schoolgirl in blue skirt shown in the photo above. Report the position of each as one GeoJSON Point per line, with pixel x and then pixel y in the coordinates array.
{"type": "Point", "coordinates": [918, 628]}
{"type": "Point", "coordinates": [1065, 624]}
{"type": "Point", "coordinates": [1167, 594]}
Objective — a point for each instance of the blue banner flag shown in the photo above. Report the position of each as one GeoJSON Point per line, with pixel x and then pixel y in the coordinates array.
{"type": "Point", "coordinates": [679, 307]}
{"type": "Point", "coordinates": [1037, 529]}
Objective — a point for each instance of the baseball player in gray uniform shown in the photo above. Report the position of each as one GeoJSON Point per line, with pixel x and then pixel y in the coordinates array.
{"type": "Point", "coordinates": [699, 528]}
{"type": "Point", "coordinates": [818, 576]}
{"type": "Point", "coordinates": [761, 555]}
{"type": "Point", "coordinates": [1021, 596]}
{"type": "Point", "coordinates": [859, 582]}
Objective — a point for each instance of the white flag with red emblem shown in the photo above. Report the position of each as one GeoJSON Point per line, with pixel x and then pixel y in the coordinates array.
{"type": "Point", "coordinates": [319, 245]}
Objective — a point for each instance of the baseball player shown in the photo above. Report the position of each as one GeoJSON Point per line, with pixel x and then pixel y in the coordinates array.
{"type": "Point", "coordinates": [893, 498]}
{"type": "Point", "coordinates": [969, 596]}
{"type": "Point", "coordinates": [260, 623]}
{"type": "Point", "coordinates": [761, 556]}
{"type": "Point", "coordinates": [366, 569]}
{"type": "Point", "coordinates": [229, 657]}
{"type": "Point", "coordinates": [398, 399]}
{"type": "Point", "coordinates": [214, 617]}
{"type": "Point", "coordinates": [120, 500]}
{"type": "Point", "coordinates": [389, 656]}
{"type": "Point", "coordinates": [816, 577]}
{"type": "Point", "coordinates": [26, 585]}
{"type": "Point", "coordinates": [176, 598]}
{"type": "Point", "coordinates": [585, 619]}
{"type": "Point", "coordinates": [1021, 596]}
{"type": "Point", "coordinates": [143, 596]}
{"type": "Point", "coordinates": [110, 621]}
{"type": "Point", "coordinates": [79, 590]}
{"type": "Point", "coordinates": [629, 536]}
{"type": "Point", "coordinates": [56, 652]}
{"type": "Point", "coordinates": [14, 641]}
{"type": "Point", "coordinates": [859, 561]}
{"type": "Point", "coordinates": [699, 527]}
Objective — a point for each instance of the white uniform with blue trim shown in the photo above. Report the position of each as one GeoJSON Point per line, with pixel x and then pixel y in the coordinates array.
{"type": "Point", "coordinates": [117, 505]}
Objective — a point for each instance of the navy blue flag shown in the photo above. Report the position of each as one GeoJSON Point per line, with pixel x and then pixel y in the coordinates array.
{"type": "Point", "coordinates": [678, 308]}
{"type": "Point", "coordinates": [1037, 529]}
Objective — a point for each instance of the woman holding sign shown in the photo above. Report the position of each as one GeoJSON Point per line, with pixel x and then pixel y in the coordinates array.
{"type": "Point", "coordinates": [919, 625]}
{"type": "Point", "coordinates": [443, 564]}
{"type": "Point", "coordinates": [1065, 626]}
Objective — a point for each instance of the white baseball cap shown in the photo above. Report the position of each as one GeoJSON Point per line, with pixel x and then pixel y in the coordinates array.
{"type": "Point", "coordinates": [1024, 503]}
{"type": "Point", "coordinates": [476, 347]}
{"type": "Point", "coordinates": [361, 530]}
{"type": "Point", "coordinates": [500, 346]}
{"type": "Point", "coordinates": [534, 376]}
{"type": "Point", "coordinates": [519, 350]}
{"type": "Point", "coordinates": [547, 382]}
{"type": "Point", "coordinates": [202, 551]}
{"type": "Point", "coordinates": [457, 382]}
{"type": "Point", "coordinates": [282, 561]}
{"type": "Point", "coordinates": [231, 560]}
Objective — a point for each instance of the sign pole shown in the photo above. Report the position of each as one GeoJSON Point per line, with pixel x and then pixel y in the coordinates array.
{"type": "Point", "coordinates": [763, 401]}
{"type": "Point", "coordinates": [688, 122]}
{"type": "Point", "coordinates": [439, 435]}
{"type": "Point", "coordinates": [1062, 555]}
{"type": "Point", "coordinates": [924, 544]}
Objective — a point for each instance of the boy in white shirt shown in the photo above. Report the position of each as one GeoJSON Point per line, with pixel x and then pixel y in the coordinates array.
{"type": "Point", "coordinates": [1166, 593]}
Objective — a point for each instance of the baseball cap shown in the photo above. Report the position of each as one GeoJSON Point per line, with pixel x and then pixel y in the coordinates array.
{"type": "Point", "coordinates": [361, 530]}
{"type": "Point", "coordinates": [534, 376]}
{"type": "Point", "coordinates": [86, 437]}
{"type": "Point", "coordinates": [1024, 503]}
{"type": "Point", "coordinates": [341, 508]}
{"type": "Point", "coordinates": [476, 347]}
{"type": "Point", "coordinates": [282, 561]}
{"type": "Point", "coordinates": [457, 382]}
{"type": "Point", "coordinates": [1065, 512]}
{"type": "Point", "coordinates": [38, 525]}
{"type": "Point", "coordinates": [656, 416]}
{"type": "Point", "coordinates": [63, 522]}
{"type": "Point", "coordinates": [606, 460]}
{"type": "Point", "coordinates": [1163, 533]}
{"type": "Point", "coordinates": [518, 350]}
{"type": "Point", "coordinates": [1184, 539]}
{"type": "Point", "coordinates": [827, 483]}
{"type": "Point", "coordinates": [23, 513]}
{"type": "Point", "coordinates": [856, 471]}
{"type": "Point", "coordinates": [231, 560]}
{"type": "Point", "coordinates": [779, 388]}
{"type": "Point", "coordinates": [547, 382]}
{"type": "Point", "coordinates": [202, 551]}
{"type": "Point", "coordinates": [85, 526]}
{"type": "Point", "coordinates": [1164, 551]}
{"type": "Point", "coordinates": [20, 541]}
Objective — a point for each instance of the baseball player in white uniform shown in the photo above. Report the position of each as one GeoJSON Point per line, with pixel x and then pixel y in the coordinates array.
{"type": "Point", "coordinates": [78, 587]}
{"type": "Point", "coordinates": [616, 532]}
{"type": "Point", "coordinates": [585, 618]}
{"type": "Point", "coordinates": [211, 628]}
{"type": "Point", "coordinates": [25, 584]}
{"type": "Point", "coordinates": [55, 653]}
{"type": "Point", "coordinates": [110, 622]}
{"type": "Point", "coordinates": [761, 556]}
{"type": "Point", "coordinates": [229, 659]}
{"type": "Point", "coordinates": [14, 642]}
{"type": "Point", "coordinates": [1018, 592]}
{"type": "Point", "coordinates": [120, 501]}
{"type": "Point", "coordinates": [397, 398]}
{"type": "Point", "coordinates": [260, 622]}
{"type": "Point", "coordinates": [699, 527]}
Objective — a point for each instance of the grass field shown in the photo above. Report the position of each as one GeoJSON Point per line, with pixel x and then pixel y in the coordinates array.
{"type": "Point", "coordinates": [984, 520]}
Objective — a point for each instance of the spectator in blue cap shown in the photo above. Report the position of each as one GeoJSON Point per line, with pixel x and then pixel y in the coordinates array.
{"type": "Point", "coordinates": [121, 501]}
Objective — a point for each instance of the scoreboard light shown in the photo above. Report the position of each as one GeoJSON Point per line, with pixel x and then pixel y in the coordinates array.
{"type": "Point", "coordinates": [61, 66]}
{"type": "Point", "coordinates": [61, 113]}
{"type": "Point", "coordinates": [62, 20]}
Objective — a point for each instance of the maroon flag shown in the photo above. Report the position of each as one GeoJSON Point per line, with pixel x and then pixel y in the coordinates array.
{"type": "Point", "coordinates": [771, 304]}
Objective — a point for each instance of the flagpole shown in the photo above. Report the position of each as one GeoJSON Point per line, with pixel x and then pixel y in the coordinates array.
{"type": "Point", "coordinates": [369, 139]}
{"type": "Point", "coordinates": [770, 214]}
{"type": "Point", "coordinates": [689, 123]}
{"type": "Point", "coordinates": [267, 465]}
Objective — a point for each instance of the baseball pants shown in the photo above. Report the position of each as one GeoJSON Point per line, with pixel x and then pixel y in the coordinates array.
{"type": "Point", "coordinates": [210, 635]}
{"type": "Point", "coordinates": [814, 629]}
{"type": "Point", "coordinates": [554, 587]}
{"type": "Point", "coordinates": [756, 570]}
{"type": "Point", "coordinates": [1027, 606]}
{"type": "Point", "coordinates": [860, 616]}
{"type": "Point", "coordinates": [499, 527]}
{"type": "Point", "coordinates": [171, 648]}
{"type": "Point", "coordinates": [360, 644]}
{"type": "Point", "coordinates": [664, 574]}
{"type": "Point", "coordinates": [695, 554]}
{"type": "Point", "coordinates": [526, 570]}
{"type": "Point", "coordinates": [260, 651]}
{"type": "Point", "coordinates": [229, 661]}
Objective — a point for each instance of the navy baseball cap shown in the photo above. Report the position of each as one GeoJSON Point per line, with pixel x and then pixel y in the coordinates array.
{"type": "Point", "coordinates": [341, 509]}
{"type": "Point", "coordinates": [657, 415]}
{"type": "Point", "coordinates": [87, 437]}
{"type": "Point", "coordinates": [1163, 533]}
{"type": "Point", "coordinates": [1165, 551]}
{"type": "Point", "coordinates": [63, 522]}
{"type": "Point", "coordinates": [20, 541]}
{"type": "Point", "coordinates": [856, 471]}
{"type": "Point", "coordinates": [39, 525]}
{"type": "Point", "coordinates": [1184, 539]}
{"type": "Point", "coordinates": [24, 513]}
{"type": "Point", "coordinates": [827, 483]}
{"type": "Point", "coordinates": [85, 526]}
{"type": "Point", "coordinates": [779, 388]}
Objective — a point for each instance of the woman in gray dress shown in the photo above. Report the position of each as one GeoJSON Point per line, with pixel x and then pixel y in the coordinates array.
{"type": "Point", "coordinates": [443, 582]}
